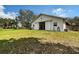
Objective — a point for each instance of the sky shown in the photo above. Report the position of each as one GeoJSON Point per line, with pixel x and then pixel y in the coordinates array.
{"type": "Point", "coordinates": [11, 11]}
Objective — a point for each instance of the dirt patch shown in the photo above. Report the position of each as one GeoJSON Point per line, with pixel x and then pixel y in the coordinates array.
{"type": "Point", "coordinates": [34, 46]}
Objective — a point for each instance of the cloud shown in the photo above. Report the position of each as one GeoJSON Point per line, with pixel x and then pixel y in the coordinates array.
{"type": "Point", "coordinates": [61, 12]}
{"type": "Point", "coordinates": [58, 10]}
{"type": "Point", "coordinates": [11, 15]}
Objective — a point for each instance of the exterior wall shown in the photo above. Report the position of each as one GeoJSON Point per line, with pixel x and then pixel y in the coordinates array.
{"type": "Point", "coordinates": [19, 24]}
{"type": "Point", "coordinates": [49, 21]}
{"type": "Point", "coordinates": [64, 26]}
{"type": "Point", "coordinates": [60, 23]}
{"type": "Point", "coordinates": [48, 25]}
{"type": "Point", "coordinates": [35, 26]}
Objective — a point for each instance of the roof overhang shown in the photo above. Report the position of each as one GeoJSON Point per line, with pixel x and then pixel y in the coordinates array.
{"type": "Point", "coordinates": [67, 23]}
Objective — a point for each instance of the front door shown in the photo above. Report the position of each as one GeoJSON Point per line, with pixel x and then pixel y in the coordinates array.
{"type": "Point", "coordinates": [41, 25]}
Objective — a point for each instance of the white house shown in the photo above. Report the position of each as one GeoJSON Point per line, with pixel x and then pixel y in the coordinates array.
{"type": "Point", "coordinates": [48, 22]}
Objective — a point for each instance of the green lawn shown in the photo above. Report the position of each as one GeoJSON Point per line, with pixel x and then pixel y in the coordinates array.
{"type": "Point", "coordinates": [67, 38]}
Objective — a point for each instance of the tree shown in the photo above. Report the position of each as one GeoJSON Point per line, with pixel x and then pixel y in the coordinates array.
{"type": "Point", "coordinates": [25, 17]}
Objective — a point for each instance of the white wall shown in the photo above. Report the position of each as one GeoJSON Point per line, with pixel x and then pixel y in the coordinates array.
{"type": "Point", "coordinates": [64, 26]}
{"type": "Point", "coordinates": [19, 24]}
{"type": "Point", "coordinates": [49, 23]}
{"type": "Point", "coordinates": [36, 26]}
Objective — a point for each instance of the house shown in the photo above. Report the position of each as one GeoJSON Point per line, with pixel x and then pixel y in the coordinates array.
{"type": "Point", "coordinates": [48, 22]}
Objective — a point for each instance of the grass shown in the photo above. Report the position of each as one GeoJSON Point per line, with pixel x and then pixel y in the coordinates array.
{"type": "Point", "coordinates": [67, 38]}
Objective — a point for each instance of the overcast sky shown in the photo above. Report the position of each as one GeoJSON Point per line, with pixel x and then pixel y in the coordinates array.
{"type": "Point", "coordinates": [11, 11]}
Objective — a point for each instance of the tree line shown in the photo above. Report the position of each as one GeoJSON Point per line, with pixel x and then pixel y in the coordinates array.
{"type": "Point", "coordinates": [24, 19]}
{"type": "Point", "coordinates": [74, 23]}
{"type": "Point", "coordinates": [7, 23]}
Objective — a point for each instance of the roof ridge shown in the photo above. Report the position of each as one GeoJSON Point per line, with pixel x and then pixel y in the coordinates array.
{"type": "Point", "coordinates": [51, 16]}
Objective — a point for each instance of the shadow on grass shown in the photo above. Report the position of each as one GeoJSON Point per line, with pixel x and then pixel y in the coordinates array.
{"type": "Point", "coordinates": [34, 46]}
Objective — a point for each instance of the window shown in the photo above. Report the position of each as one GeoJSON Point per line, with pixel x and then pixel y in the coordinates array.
{"type": "Point", "coordinates": [55, 24]}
